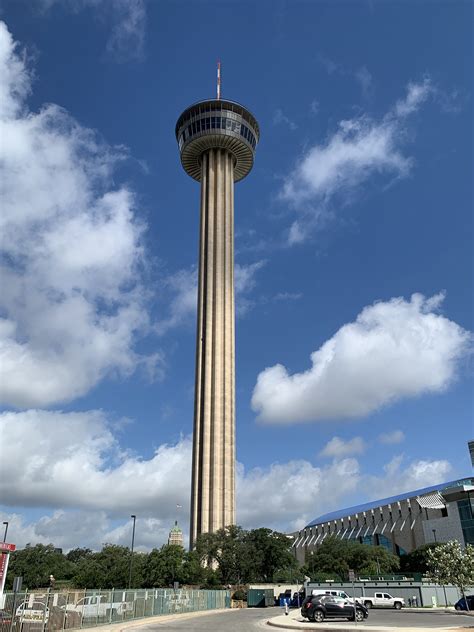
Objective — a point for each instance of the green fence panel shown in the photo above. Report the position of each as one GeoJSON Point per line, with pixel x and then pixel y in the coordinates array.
{"type": "Point", "coordinates": [49, 611]}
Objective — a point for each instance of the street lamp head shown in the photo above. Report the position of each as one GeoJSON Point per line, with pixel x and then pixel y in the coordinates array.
{"type": "Point", "coordinates": [133, 516]}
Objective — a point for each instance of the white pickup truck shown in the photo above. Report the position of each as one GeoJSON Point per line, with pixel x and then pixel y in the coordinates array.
{"type": "Point", "coordinates": [97, 606]}
{"type": "Point", "coordinates": [383, 600]}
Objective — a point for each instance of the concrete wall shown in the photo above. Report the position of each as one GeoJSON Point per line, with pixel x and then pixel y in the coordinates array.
{"type": "Point", "coordinates": [448, 528]}
{"type": "Point", "coordinates": [447, 595]}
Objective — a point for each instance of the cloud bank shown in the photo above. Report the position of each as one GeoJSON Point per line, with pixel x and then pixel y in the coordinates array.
{"type": "Point", "coordinates": [72, 300]}
{"type": "Point", "coordinates": [72, 467]}
{"type": "Point", "coordinates": [394, 350]}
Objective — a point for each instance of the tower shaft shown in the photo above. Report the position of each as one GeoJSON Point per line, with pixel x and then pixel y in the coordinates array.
{"type": "Point", "coordinates": [213, 482]}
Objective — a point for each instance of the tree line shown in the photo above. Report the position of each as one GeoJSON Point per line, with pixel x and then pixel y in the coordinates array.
{"type": "Point", "coordinates": [228, 557]}
{"type": "Point", "coordinates": [231, 556]}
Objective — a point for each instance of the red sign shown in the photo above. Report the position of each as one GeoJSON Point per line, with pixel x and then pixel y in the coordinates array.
{"type": "Point", "coordinates": [4, 557]}
{"type": "Point", "coordinates": [4, 546]}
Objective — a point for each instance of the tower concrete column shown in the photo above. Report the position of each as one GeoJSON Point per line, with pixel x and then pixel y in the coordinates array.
{"type": "Point", "coordinates": [213, 504]}
{"type": "Point", "coordinates": [217, 140]}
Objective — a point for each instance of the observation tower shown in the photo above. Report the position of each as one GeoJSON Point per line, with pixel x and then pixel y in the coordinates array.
{"type": "Point", "coordinates": [217, 139]}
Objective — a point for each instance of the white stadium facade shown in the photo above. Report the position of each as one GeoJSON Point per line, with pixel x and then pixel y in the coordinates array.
{"type": "Point", "coordinates": [401, 523]}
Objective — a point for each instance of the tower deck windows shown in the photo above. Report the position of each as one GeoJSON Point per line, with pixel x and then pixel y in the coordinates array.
{"type": "Point", "coordinates": [203, 125]}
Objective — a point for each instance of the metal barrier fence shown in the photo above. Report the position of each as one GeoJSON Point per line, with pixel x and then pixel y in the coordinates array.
{"type": "Point", "coordinates": [49, 611]}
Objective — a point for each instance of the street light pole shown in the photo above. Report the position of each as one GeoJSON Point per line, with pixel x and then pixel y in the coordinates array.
{"type": "Point", "coordinates": [6, 531]}
{"type": "Point", "coordinates": [131, 552]}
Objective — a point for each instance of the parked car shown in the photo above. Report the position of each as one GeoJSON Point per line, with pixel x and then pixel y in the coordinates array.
{"type": "Point", "coordinates": [334, 593]}
{"type": "Point", "coordinates": [461, 604]}
{"type": "Point", "coordinates": [30, 616]}
{"type": "Point", "coordinates": [28, 612]}
{"type": "Point", "coordinates": [320, 607]}
{"type": "Point", "coordinates": [384, 600]}
{"type": "Point", "coordinates": [5, 620]}
{"type": "Point", "coordinates": [98, 606]}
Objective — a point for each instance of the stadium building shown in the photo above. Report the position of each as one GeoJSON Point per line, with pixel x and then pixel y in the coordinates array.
{"type": "Point", "coordinates": [401, 523]}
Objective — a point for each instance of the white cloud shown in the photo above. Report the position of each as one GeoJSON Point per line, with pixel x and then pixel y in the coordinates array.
{"type": "Point", "coordinates": [338, 448]}
{"type": "Point", "coordinates": [281, 119]}
{"type": "Point", "coordinates": [400, 476]}
{"type": "Point", "coordinates": [183, 286]}
{"type": "Point", "coordinates": [288, 296]}
{"type": "Point", "coordinates": [391, 438]}
{"type": "Point", "coordinates": [417, 93]}
{"type": "Point", "coordinates": [314, 107]}
{"type": "Point", "coordinates": [299, 492]}
{"type": "Point", "coordinates": [364, 78]}
{"type": "Point", "coordinates": [126, 20]}
{"type": "Point", "coordinates": [394, 350]}
{"type": "Point", "coordinates": [71, 467]}
{"type": "Point", "coordinates": [90, 529]}
{"type": "Point", "coordinates": [72, 301]}
{"type": "Point", "coordinates": [127, 37]}
{"type": "Point", "coordinates": [361, 148]}
{"type": "Point", "coordinates": [75, 460]}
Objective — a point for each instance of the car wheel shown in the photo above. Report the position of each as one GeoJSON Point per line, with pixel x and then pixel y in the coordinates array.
{"type": "Point", "coordinates": [359, 616]}
{"type": "Point", "coordinates": [319, 616]}
{"type": "Point", "coordinates": [368, 604]}
{"type": "Point", "coordinates": [457, 608]}
{"type": "Point", "coordinates": [397, 605]}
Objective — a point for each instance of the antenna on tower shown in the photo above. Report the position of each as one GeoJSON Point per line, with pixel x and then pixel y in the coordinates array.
{"type": "Point", "coordinates": [218, 79]}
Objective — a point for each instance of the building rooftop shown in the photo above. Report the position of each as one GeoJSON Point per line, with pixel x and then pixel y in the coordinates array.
{"type": "Point", "coordinates": [175, 528]}
{"type": "Point", "coordinates": [340, 513]}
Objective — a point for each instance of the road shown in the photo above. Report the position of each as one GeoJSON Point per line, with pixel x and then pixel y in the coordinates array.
{"type": "Point", "coordinates": [246, 620]}
{"type": "Point", "coordinates": [243, 620]}
{"type": "Point", "coordinates": [415, 619]}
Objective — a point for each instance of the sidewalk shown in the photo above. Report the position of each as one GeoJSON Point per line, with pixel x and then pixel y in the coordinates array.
{"type": "Point", "coordinates": [162, 618]}
{"type": "Point", "coordinates": [294, 621]}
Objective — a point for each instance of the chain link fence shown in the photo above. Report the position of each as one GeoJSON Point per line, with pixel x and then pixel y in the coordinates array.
{"type": "Point", "coordinates": [50, 611]}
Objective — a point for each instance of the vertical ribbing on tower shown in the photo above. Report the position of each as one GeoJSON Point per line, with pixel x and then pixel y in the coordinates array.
{"type": "Point", "coordinates": [213, 484]}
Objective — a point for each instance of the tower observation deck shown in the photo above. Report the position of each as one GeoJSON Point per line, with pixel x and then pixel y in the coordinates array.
{"type": "Point", "coordinates": [217, 139]}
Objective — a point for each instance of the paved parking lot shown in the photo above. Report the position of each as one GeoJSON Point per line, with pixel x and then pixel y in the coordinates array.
{"type": "Point", "coordinates": [379, 619]}
{"type": "Point", "coordinates": [249, 619]}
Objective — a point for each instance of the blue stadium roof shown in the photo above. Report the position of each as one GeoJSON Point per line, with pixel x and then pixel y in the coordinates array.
{"type": "Point", "coordinates": [340, 513]}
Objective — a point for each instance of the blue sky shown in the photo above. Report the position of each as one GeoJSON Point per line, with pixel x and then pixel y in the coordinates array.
{"type": "Point", "coordinates": [354, 268]}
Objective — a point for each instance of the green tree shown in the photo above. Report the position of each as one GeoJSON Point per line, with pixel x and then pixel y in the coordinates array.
{"type": "Point", "coordinates": [336, 556]}
{"type": "Point", "coordinates": [240, 556]}
{"type": "Point", "coordinates": [165, 566]}
{"type": "Point", "coordinates": [449, 563]}
{"type": "Point", "coordinates": [36, 563]}
{"type": "Point", "coordinates": [375, 560]}
{"type": "Point", "coordinates": [89, 573]}
{"type": "Point", "coordinates": [270, 554]}
{"type": "Point", "coordinates": [109, 568]}
{"type": "Point", "coordinates": [195, 574]}
{"type": "Point", "coordinates": [417, 560]}
{"type": "Point", "coordinates": [75, 555]}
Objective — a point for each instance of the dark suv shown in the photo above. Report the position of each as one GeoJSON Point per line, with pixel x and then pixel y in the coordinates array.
{"type": "Point", "coordinates": [461, 604]}
{"type": "Point", "coordinates": [320, 607]}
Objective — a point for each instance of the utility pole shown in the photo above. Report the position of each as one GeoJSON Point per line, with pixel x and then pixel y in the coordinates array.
{"type": "Point", "coordinates": [131, 552]}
